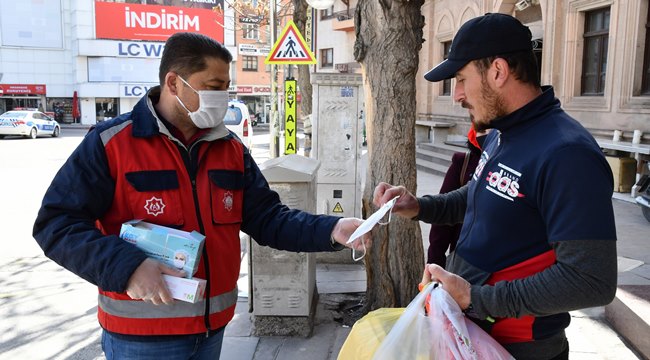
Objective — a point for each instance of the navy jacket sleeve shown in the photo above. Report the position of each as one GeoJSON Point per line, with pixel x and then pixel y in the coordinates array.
{"type": "Point", "coordinates": [448, 208]}
{"type": "Point", "coordinates": [273, 224]}
{"type": "Point", "coordinates": [80, 193]}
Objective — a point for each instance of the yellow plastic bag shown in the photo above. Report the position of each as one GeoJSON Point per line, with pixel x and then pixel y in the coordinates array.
{"type": "Point", "coordinates": [410, 337]}
{"type": "Point", "coordinates": [368, 333]}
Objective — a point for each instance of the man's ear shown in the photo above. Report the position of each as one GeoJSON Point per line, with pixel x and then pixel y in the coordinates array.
{"type": "Point", "coordinates": [501, 71]}
{"type": "Point", "coordinates": [170, 82]}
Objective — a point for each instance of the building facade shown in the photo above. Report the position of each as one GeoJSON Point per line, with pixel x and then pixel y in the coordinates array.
{"type": "Point", "coordinates": [335, 39]}
{"type": "Point", "coordinates": [106, 52]}
{"type": "Point", "coordinates": [252, 81]}
{"type": "Point", "coordinates": [595, 53]}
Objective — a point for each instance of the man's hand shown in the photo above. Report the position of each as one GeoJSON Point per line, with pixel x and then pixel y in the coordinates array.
{"type": "Point", "coordinates": [407, 205]}
{"type": "Point", "coordinates": [344, 228]}
{"type": "Point", "coordinates": [147, 283]}
{"type": "Point", "coordinates": [456, 286]}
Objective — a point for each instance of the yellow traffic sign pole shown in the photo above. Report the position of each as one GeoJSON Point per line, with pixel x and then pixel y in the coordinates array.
{"type": "Point", "coordinates": [290, 106]}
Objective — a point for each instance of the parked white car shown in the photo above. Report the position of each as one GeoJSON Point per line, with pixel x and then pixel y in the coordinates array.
{"type": "Point", "coordinates": [28, 123]}
{"type": "Point", "coordinates": [238, 120]}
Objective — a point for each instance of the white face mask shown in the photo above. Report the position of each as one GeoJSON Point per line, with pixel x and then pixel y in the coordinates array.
{"type": "Point", "coordinates": [213, 105]}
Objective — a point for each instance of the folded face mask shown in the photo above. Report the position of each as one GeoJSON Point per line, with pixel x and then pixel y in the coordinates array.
{"type": "Point", "coordinates": [369, 224]}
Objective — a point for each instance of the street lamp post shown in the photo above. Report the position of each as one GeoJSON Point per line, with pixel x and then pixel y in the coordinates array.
{"type": "Point", "coordinates": [274, 150]}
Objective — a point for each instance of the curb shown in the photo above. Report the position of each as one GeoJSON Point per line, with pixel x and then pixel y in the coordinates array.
{"type": "Point", "coordinates": [75, 126]}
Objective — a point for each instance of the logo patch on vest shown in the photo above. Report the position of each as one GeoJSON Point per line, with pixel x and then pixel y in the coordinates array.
{"type": "Point", "coordinates": [228, 200]}
{"type": "Point", "coordinates": [154, 206]}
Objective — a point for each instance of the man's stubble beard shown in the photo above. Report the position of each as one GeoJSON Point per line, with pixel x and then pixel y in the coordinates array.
{"type": "Point", "coordinates": [493, 104]}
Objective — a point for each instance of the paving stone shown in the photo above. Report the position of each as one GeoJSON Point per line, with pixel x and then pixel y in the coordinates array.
{"type": "Point", "coordinates": [239, 348]}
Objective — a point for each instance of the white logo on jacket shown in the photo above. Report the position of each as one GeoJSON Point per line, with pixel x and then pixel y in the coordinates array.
{"type": "Point", "coordinates": [504, 183]}
{"type": "Point", "coordinates": [228, 200]}
{"type": "Point", "coordinates": [154, 206]}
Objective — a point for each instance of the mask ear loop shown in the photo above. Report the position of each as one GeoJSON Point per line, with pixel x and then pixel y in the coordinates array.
{"type": "Point", "coordinates": [363, 243]}
{"type": "Point", "coordinates": [354, 257]}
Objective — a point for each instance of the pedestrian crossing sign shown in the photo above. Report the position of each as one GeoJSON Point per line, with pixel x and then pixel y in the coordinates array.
{"type": "Point", "coordinates": [290, 48]}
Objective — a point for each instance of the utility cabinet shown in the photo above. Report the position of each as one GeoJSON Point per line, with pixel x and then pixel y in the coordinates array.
{"type": "Point", "coordinates": [337, 126]}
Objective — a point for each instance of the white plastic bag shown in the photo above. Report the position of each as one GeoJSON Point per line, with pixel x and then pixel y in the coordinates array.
{"type": "Point", "coordinates": [455, 336]}
{"type": "Point", "coordinates": [410, 337]}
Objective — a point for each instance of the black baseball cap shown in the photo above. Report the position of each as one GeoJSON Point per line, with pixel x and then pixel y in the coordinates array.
{"type": "Point", "coordinates": [489, 35]}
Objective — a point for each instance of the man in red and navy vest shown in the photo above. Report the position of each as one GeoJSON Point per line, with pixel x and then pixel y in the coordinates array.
{"type": "Point", "coordinates": [538, 237]}
{"type": "Point", "coordinates": [172, 162]}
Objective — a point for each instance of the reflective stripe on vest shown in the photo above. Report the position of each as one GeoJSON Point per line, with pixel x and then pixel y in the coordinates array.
{"type": "Point", "coordinates": [137, 309]}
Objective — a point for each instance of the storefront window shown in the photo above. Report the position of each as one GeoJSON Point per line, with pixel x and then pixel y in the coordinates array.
{"type": "Point", "coordinates": [60, 109]}
{"type": "Point", "coordinates": [106, 108]}
{"type": "Point", "coordinates": [9, 103]}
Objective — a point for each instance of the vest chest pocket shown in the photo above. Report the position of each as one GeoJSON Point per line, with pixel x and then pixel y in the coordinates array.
{"type": "Point", "coordinates": [227, 196]}
{"type": "Point", "coordinates": [154, 196]}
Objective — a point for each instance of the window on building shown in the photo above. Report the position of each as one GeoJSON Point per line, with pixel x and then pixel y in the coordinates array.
{"type": "Point", "coordinates": [446, 84]}
{"type": "Point", "coordinates": [327, 13]}
{"type": "Point", "coordinates": [106, 108]}
{"type": "Point", "coordinates": [251, 31]}
{"type": "Point", "coordinates": [645, 87]}
{"type": "Point", "coordinates": [62, 109]}
{"type": "Point", "coordinates": [267, 34]}
{"type": "Point", "coordinates": [327, 58]}
{"type": "Point", "coordinates": [249, 63]}
{"type": "Point", "coordinates": [32, 24]}
{"type": "Point", "coordinates": [594, 61]}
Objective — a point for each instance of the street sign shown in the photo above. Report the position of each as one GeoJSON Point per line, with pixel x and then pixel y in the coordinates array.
{"type": "Point", "coordinates": [290, 48]}
{"type": "Point", "coordinates": [290, 117]}
{"type": "Point", "coordinates": [309, 28]}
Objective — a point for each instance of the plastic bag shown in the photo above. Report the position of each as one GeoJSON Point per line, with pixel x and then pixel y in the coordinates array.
{"type": "Point", "coordinates": [455, 336]}
{"type": "Point", "coordinates": [410, 337]}
{"type": "Point", "coordinates": [368, 332]}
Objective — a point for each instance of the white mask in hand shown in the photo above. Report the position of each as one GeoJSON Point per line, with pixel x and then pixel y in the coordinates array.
{"type": "Point", "coordinates": [213, 105]}
{"type": "Point", "coordinates": [370, 223]}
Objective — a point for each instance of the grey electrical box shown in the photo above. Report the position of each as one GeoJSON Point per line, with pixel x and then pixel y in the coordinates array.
{"type": "Point", "coordinates": [284, 282]}
{"type": "Point", "coordinates": [337, 127]}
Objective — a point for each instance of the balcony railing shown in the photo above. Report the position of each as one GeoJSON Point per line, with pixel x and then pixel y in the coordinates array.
{"type": "Point", "coordinates": [343, 20]}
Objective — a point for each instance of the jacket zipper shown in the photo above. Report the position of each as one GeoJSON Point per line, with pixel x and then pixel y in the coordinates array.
{"type": "Point", "coordinates": [191, 163]}
{"type": "Point", "coordinates": [498, 150]}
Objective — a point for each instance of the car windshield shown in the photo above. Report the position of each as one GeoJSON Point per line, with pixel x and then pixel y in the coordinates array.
{"type": "Point", "coordinates": [233, 116]}
{"type": "Point", "coordinates": [14, 115]}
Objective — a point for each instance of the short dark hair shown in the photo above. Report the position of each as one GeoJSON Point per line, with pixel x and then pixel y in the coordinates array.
{"type": "Point", "coordinates": [185, 54]}
{"type": "Point", "coordinates": [523, 64]}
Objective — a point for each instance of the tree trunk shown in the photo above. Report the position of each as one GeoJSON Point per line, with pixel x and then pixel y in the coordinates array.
{"type": "Point", "coordinates": [388, 41]}
{"type": "Point", "coordinates": [304, 78]}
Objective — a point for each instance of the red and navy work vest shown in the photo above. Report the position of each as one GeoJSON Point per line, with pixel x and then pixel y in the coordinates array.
{"type": "Point", "coordinates": [154, 182]}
